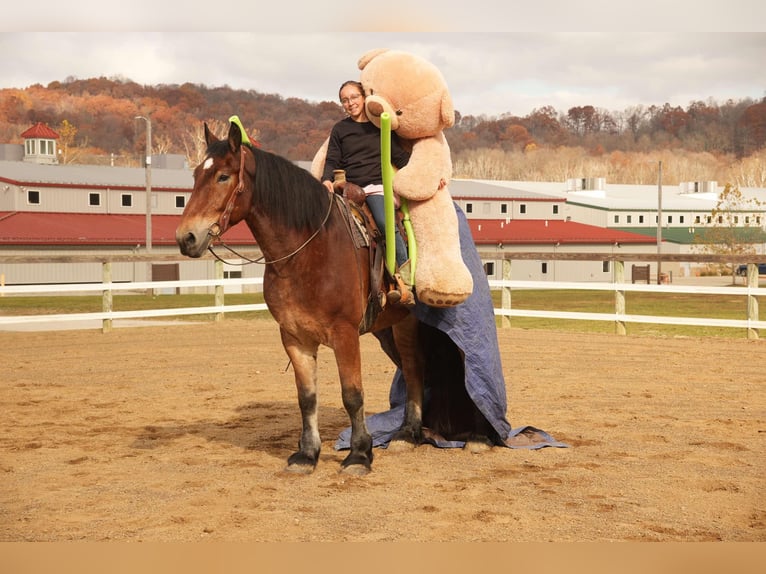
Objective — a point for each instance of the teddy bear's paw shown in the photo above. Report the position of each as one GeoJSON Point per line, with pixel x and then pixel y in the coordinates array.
{"type": "Point", "coordinates": [435, 298]}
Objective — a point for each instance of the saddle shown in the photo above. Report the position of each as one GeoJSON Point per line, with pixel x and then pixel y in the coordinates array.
{"type": "Point", "coordinates": [384, 288]}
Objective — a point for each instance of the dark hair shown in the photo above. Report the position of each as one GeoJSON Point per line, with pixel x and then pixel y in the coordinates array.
{"type": "Point", "coordinates": [354, 83]}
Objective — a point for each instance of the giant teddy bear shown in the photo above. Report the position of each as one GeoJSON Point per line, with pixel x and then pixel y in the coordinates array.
{"type": "Point", "coordinates": [415, 95]}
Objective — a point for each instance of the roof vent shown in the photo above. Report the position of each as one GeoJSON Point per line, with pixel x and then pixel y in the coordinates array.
{"type": "Point", "coordinates": [586, 184]}
{"type": "Point", "coordinates": [699, 187]}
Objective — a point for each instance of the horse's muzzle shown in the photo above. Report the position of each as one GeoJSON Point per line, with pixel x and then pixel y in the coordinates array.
{"type": "Point", "coordinates": [192, 243]}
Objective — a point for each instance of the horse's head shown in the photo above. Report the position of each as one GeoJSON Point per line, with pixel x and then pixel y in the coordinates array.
{"type": "Point", "coordinates": [221, 191]}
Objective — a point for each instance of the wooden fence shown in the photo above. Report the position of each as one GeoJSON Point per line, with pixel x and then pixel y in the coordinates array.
{"type": "Point", "coordinates": [751, 291]}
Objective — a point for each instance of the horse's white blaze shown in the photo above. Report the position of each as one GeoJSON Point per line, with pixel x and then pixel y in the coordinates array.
{"type": "Point", "coordinates": [208, 163]}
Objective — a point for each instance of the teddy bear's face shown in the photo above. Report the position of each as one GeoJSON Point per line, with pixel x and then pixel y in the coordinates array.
{"type": "Point", "coordinates": [411, 90]}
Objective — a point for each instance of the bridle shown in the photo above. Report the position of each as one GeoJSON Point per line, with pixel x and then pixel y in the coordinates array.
{"type": "Point", "coordinates": [218, 228]}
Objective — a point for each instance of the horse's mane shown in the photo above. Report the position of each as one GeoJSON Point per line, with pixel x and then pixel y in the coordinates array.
{"type": "Point", "coordinates": [287, 192]}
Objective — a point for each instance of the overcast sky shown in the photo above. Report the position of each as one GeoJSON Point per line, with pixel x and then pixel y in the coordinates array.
{"type": "Point", "coordinates": [488, 72]}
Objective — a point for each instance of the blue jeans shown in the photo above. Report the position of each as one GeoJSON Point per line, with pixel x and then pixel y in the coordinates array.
{"type": "Point", "coordinates": [375, 203]}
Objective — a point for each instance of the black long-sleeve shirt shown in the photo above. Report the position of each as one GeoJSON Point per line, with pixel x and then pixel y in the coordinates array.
{"type": "Point", "coordinates": [355, 147]}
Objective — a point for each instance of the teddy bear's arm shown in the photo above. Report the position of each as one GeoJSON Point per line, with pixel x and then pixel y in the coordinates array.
{"type": "Point", "coordinates": [428, 170]}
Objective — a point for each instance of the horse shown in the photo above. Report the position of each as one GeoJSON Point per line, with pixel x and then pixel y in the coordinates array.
{"type": "Point", "coordinates": [316, 282]}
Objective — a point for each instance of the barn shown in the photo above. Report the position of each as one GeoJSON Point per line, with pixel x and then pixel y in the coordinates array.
{"type": "Point", "coordinates": [49, 209]}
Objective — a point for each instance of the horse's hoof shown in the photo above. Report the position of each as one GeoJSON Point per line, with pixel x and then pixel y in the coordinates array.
{"type": "Point", "coordinates": [356, 465]}
{"type": "Point", "coordinates": [300, 468]}
{"type": "Point", "coordinates": [478, 445]}
{"type": "Point", "coordinates": [405, 441]}
{"type": "Point", "coordinates": [401, 445]}
{"type": "Point", "coordinates": [355, 470]}
{"type": "Point", "coordinates": [301, 463]}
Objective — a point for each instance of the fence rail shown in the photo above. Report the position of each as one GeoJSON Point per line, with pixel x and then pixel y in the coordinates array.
{"type": "Point", "coordinates": [750, 322]}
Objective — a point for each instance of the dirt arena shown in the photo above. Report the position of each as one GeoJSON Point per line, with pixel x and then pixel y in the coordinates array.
{"type": "Point", "coordinates": [182, 432]}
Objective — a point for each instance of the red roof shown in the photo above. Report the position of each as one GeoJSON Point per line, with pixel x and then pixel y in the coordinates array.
{"type": "Point", "coordinates": [40, 130]}
{"type": "Point", "coordinates": [28, 228]}
{"type": "Point", "coordinates": [548, 231]}
{"type": "Point", "coordinates": [25, 228]}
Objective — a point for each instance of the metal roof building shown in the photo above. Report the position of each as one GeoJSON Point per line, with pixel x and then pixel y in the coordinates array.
{"type": "Point", "coordinates": [46, 209]}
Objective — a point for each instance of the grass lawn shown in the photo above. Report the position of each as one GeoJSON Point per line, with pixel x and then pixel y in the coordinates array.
{"type": "Point", "coordinates": [637, 303]}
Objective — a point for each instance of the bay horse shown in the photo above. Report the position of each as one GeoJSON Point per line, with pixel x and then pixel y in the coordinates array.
{"type": "Point", "coordinates": [316, 282]}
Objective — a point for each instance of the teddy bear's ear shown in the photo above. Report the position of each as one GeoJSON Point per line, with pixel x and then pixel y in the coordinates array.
{"type": "Point", "coordinates": [447, 110]}
{"type": "Point", "coordinates": [367, 56]}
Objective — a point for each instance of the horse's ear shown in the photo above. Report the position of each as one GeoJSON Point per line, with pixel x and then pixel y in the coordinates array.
{"type": "Point", "coordinates": [209, 137]}
{"type": "Point", "coordinates": [235, 137]}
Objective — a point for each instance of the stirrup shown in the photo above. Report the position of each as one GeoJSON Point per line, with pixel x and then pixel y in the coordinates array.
{"type": "Point", "coordinates": [401, 294]}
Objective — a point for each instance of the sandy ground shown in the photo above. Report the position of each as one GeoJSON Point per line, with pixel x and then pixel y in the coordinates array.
{"type": "Point", "coordinates": [182, 432]}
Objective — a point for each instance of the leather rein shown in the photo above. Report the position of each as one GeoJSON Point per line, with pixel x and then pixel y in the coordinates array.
{"type": "Point", "coordinates": [217, 229]}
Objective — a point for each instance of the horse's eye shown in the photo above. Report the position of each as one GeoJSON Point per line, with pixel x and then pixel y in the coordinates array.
{"type": "Point", "coordinates": [223, 177]}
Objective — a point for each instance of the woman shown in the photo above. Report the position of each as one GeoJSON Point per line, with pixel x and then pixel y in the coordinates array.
{"type": "Point", "coordinates": [354, 146]}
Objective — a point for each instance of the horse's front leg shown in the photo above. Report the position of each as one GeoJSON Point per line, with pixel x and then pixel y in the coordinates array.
{"type": "Point", "coordinates": [304, 361]}
{"type": "Point", "coordinates": [349, 360]}
{"type": "Point", "coordinates": [406, 340]}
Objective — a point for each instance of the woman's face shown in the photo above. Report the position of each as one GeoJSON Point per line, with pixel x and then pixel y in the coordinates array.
{"type": "Point", "coordinates": [353, 102]}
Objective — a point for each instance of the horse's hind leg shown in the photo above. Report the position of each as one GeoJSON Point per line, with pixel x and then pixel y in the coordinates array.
{"type": "Point", "coordinates": [410, 353]}
{"type": "Point", "coordinates": [304, 361]}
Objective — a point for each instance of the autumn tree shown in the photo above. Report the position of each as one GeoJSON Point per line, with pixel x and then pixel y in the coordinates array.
{"type": "Point", "coordinates": [66, 145]}
{"type": "Point", "coordinates": [751, 129]}
{"type": "Point", "coordinates": [734, 229]}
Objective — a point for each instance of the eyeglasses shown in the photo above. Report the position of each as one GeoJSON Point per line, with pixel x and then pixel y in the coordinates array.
{"type": "Point", "coordinates": [346, 101]}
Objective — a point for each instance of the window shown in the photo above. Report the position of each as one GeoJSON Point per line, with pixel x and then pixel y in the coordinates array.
{"type": "Point", "coordinates": [629, 218]}
{"type": "Point", "coordinates": [94, 199]}
{"type": "Point", "coordinates": [709, 219]}
{"type": "Point", "coordinates": [544, 268]}
{"type": "Point", "coordinates": [605, 266]}
{"type": "Point", "coordinates": [33, 197]}
{"type": "Point", "coordinates": [469, 207]}
{"type": "Point", "coordinates": [670, 219]}
{"type": "Point", "coordinates": [126, 200]}
{"type": "Point", "coordinates": [232, 274]}
{"type": "Point", "coordinates": [522, 208]}
{"type": "Point", "coordinates": [489, 268]}
{"type": "Point", "coordinates": [697, 219]}
{"type": "Point", "coordinates": [617, 219]}
{"type": "Point", "coordinates": [30, 146]}
{"type": "Point", "coordinates": [180, 201]}
{"type": "Point", "coordinates": [640, 218]}
{"type": "Point", "coordinates": [555, 209]}
{"type": "Point", "coordinates": [503, 208]}
{"type": "Point", "coordinates": [680, 219]}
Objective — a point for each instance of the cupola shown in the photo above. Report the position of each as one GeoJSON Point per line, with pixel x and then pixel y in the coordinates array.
{"type": "Point", "coordinates": [40, 144]}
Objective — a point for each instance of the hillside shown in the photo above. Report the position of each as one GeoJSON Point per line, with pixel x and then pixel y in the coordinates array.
{"type": "Point", "coordinates": [705, 141]}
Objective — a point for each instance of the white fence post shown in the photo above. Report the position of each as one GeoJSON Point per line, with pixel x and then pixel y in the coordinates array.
{"type": "Point", "coordinates": [619, 297]}
{"type": "Point", "coordinates": [752, 300]}
{"type": "Point", "coordinates": [505, 294]}
{"type": "Point", "coordinates": [106, 296]}
{"type": "Point", "coordinates": [219, 289]}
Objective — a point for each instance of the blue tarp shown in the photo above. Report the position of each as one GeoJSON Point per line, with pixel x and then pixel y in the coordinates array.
{"type": "Point", "coordinates": [471, 327]}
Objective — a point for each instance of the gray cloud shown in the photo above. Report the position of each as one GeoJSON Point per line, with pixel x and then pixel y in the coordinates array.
{"type": "Point", "coordinates": [488, 73]}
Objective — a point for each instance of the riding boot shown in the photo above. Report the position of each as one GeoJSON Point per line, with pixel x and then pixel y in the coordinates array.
{"type": "Point", "coordinates": [402, 293]}
{"type": "Point", "coordinates": [406, 297]}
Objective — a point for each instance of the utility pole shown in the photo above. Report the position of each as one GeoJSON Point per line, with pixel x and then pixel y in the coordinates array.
{"type": "Point", "coordinates": [148, 166]}
{"type": "Point", "coordinates": [659, 222]}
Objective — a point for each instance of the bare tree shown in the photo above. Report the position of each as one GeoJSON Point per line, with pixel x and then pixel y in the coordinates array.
{"type": "Point", "coordinates": [734, 228]}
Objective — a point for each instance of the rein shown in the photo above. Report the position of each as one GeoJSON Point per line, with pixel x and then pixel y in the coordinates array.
{"type": "Point", "coordinates": [217, 229]}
